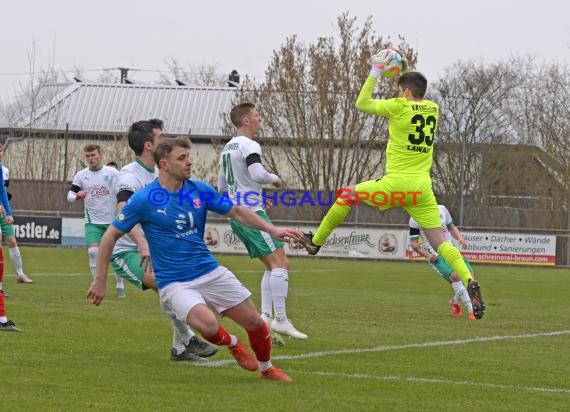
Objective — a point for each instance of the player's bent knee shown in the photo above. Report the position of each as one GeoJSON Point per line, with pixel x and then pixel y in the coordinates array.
{"type": "Point", "coordinates": [254, 323]}
{"type": "Point", "coordinates": [203, 320]}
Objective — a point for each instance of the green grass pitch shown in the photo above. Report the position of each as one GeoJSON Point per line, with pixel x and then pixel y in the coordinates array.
{"type": "Point", "coordinates": [381, 338]}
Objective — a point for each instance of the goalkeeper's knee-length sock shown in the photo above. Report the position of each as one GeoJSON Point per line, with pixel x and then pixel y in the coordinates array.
{"type": "Point", "coordinates": [334, 217]}
{"type": "Point", "coordinates": [452, 255]}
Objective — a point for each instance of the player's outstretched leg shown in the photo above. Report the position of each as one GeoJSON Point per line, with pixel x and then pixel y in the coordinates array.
{"type": "Point", "coordinates": [261, 345]}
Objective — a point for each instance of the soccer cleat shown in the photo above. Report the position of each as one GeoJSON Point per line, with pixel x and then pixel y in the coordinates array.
{"type": "Point", "coordinates": [201, 348]}
{"type": "Point", "coordinates": [24, 279]}
{"type": "Point", "coordinates": [9, 327]}
{"type": "Point", "coordinates": [276, 338]}
{"type": "Point", "coordinates": [472, 316]}
{"type": "Point", "coordinates": [455, 309]}
{"type": "Point", "coordinates": [243, 357]}
{"type": "Point", "coordinates": [275, 374]}
{"type": "Point", "coordinates": [286, 328]}
{"type": "Point", "coordinates": [121, 293]}
{"type": "Point", "coordinates": [185, 356]}
{"type": "Point", "coordinates": [474, 291]}
{"type": "Point", "coordinates": [307, 242]}
{"type": "Point", "coordinates": [6, 295]}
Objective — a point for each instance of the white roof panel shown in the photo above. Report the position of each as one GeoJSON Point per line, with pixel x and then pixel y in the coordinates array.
{"type": "Point", "coordinates": [114, 107]}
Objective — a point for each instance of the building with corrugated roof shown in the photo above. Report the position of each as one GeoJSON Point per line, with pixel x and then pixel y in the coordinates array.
{"type": "Point", "coordinates": [62, 118]}
{"type": "Point", "coordinates": [112, 108]}
{"type": "Point", "coordinates": [44, 145]}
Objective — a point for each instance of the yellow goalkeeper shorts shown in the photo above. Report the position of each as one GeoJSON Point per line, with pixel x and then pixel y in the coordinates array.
{"type": "Point", "coordinates": [412, 192]}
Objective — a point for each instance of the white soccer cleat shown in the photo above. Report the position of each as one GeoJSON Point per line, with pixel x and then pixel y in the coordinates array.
{"type": "Point", "coordinates": [286, 328]}
{"type": "Point", "coordinates": [24, 279]}
{"type": "Point", "coordinates": [276, 339]}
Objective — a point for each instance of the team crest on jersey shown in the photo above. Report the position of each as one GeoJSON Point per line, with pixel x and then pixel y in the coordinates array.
{"type": "Point", "coordinates": [197, 203]}
{"type": "Point", "coordinates": [99, 190]}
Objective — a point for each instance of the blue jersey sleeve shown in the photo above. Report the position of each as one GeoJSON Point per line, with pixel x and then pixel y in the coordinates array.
{"type": "Point", "coordinates": [131, 214]}
{"type": "Point", "coordinates": [4, 195]}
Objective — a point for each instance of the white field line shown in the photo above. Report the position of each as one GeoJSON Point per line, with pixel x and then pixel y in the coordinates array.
{"type": "Point", "coordinates": [218, 364]}
{"type": "Point", "coordinates": [412, 378]}
{"type": "Point", "coordinates": [434, 381]}
{"type": "Point", "coordinates": [398, 347]}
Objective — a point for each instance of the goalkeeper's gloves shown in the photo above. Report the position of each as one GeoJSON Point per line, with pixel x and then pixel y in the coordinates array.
{"type": "Point", "coordinates": [385, 60]}
{"type": "Point", "coordinates": [380, 61]}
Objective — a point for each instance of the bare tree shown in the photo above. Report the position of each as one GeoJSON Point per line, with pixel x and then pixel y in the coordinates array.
{"type": "Point", "coordinates": [199, 75]}
{"type": "Point", "coordinates": [503, 142]}
{"type": "Point", "coordinates": [472, 98]}
{"type": "Point", "coordinates": [311, 126]}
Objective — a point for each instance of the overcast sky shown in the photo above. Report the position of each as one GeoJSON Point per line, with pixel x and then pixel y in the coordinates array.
{"type": "Point", "coordinates": [143, 34]}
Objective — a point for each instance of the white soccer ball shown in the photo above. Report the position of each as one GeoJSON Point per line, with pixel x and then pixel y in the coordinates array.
{"type": "Point", "coordinates": [390, 62]}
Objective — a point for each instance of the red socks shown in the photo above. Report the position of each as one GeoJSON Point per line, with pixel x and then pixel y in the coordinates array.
{"type": "Point", "coordinates": [260, 342]}
{"type": "Point", "coordinates": [222, 337]}
{"type": "Point", "coordinates": [1, 265]}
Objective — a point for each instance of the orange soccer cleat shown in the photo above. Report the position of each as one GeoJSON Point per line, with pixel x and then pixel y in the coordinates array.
{"type": "Point", "coordinates": [455, 309]}
{"type": "Point", "coordinates": [243, 357]}
{"type": "Point", "coordinates": [275, 374]}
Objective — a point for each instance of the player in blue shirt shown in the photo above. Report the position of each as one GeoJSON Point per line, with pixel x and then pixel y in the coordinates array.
{"type": "Point", "coordinates": [172, 212]}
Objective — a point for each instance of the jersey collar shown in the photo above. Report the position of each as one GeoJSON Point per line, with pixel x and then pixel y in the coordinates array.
{"type": "Point", "coordinates": [144, 166]}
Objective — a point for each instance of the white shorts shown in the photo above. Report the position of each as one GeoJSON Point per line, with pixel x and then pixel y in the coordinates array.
{"type": "Point", "coordinates": [219, 289]}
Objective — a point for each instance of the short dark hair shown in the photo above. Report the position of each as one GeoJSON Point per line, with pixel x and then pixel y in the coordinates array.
{"type": "Point", "coordinates": [239, 111]}
{"type": "Point", "coordinates": [113, 164]}
{"type": "Point", "coordinates": [165, 147]}
{"type": "Point", "coordinates": [157, 124]}
{"type": "Point", "coordinates": [92, 148]}
{"type": "Point", "coordinates": [415, 81]}
{"type": "Point", "coordinates": [139, 133]}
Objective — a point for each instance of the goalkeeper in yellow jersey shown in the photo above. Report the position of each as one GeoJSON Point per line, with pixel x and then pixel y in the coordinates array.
{"type": "Point", "coordinates": [412, 122]}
